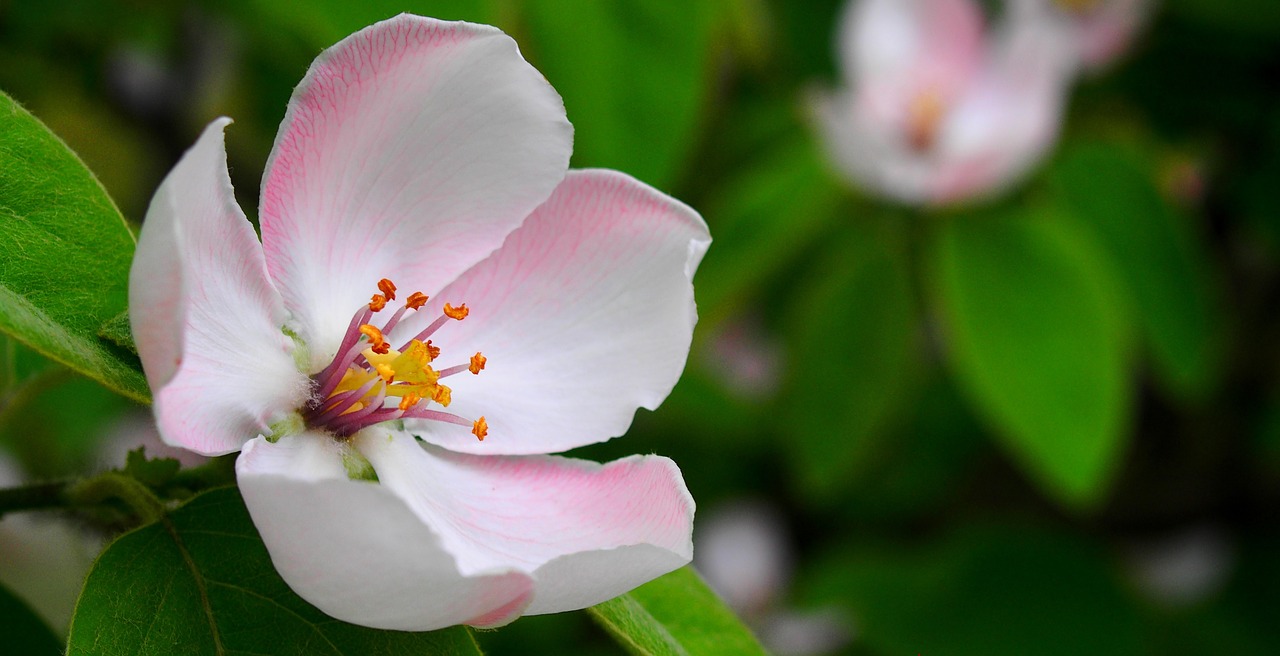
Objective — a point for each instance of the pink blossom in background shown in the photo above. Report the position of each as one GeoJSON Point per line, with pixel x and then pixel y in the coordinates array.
{"type": "Point", "coordinates": [935, 108]}
{"type": "Point", "coordinates": [1099, 31]}
{"type": "Point", "coordinates": [435, 301]}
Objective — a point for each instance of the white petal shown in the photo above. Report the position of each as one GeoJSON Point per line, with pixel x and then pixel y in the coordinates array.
{"type": "Point", "coordinates": [894, 49]}
{"type": "Point", "coordinates": [584, 314]}
{"type": "Point", "coordinates": [205, 316]}
{"type": "Point", "coordinates": [587, 532]}
{"type": "Point", "coordinates": [409, 151]}
{"type": "Point", "coordinates": [356, 551]}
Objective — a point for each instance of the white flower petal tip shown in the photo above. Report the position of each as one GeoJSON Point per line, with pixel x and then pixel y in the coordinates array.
{"type": "Point", "coordinates": [936, 110]}
{"type": "Point", "coordinates": [585, 314]}
{"type": "Point", "coordinates": [356, 551]}
{"type": "Point", "coordinates": [205, 316]}
{"type": "Point", "coordinates": [585, 532]}
{"type": "Point", "coordinates": [412, 147]}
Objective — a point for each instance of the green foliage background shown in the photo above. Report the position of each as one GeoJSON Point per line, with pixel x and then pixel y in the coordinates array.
{"type": "Point", "coordinates": [979, 418]}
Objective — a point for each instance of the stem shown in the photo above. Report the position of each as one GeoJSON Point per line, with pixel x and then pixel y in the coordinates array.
{"type": "Point", "coordinates": [114, 485]}
{"type": "Point", "coordinates": [37, 496]}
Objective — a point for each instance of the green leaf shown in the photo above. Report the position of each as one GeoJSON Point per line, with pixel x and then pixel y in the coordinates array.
{"type": "Point", "coordinates": [986, 591]}
{"type": "Point", "coordinates": [24, 633]}
{"type": "Point", "coordinates": [634, 76]}
{"type": "Point", "coordinates": [762, 221]}
{"type": "Point", "coordinates": [201, 582]}
{"type": "Point", "coordinates": [325, 22]}
{"type": "Point", "coordinates": [675, 614]}
{"type": "Point", "coordinates": [66, 254]}
{"type": "Point", "coordinates": [35, 425]}
{"type": "Point", "coordinates": [153, 472]}
{"type": "Point", "coordinates": [853, 365]}
{"type": "Point", "coordinates": [1112, 190]}
{"type": "Point", "coordinates": [118, 331]}
{"type": "Point", "coordinates": [1038, 338]}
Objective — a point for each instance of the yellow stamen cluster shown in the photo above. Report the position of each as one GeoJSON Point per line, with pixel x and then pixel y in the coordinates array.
{"type": "Point", "coordinates": [407, 375]}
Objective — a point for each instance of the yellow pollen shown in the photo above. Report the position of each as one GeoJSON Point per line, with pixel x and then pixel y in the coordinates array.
{"type": "Point", "coordinates": [477, 363]}
{"type": "Point", "coordinates": [409, 401]}
{"type": "Point", "coordinates": [387, 287]}
{"type": "Point", "coordinates": [415, 300]}
{"type": "Point", "coordinates": [458, 313]}
{"type": "Point", "coordinates": [480, 429]}
{"type": "Point", "coordinates": [377, 302]}
{"type": "Point", "coordinates": [377, 343]}
{"type": "Point", "coordinates": [442, 395]}
{"type": "Point", "coordinates": [385, 371]}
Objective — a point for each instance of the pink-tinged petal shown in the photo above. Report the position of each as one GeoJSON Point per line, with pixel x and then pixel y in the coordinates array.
{"type": "Point", "coordinates": [871, 152]}
{"type": "Point", "coordinates": [358, 552]}
{"type": "Point", "coordinates": [409, 151]}
{"type": "Point", "coordinates": [894, 50]}
{"type": "Point", "coordinates": [584, 314]}
{"type": "Point", "coordinates": [587, 532]}
{"type": "Point", "coordinates": [1009, 118]}
{"type": "Point", "coordinates": [205, 316]}
{"type": "Point", "coordinates": [1100, 32]}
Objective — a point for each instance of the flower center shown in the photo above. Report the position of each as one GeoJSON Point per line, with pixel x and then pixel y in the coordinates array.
{"type": "Point", "coordinates": [924, 116]}
{"type": "Point", "coordinates": [369, 382]}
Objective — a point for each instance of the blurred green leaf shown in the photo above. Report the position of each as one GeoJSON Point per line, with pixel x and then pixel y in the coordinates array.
{"type": "Point", "coordinates": [201, 582]}
{"type": "Point", "coordinates": [634, 76]}
{"type": "Point", "coordinates": [23, 632]}
{"type": "Point", "coordinates": [1260, 17]}
{"type": "Point", "coordinates": [1112, 190]}
{"type": "Point", "coordinates": [986, 591]}
{"type": "Point", "coordinates": [66, 254]}
{"type": "Point", "coordinates": [325, 22]}
{"type": "Point", "coordinates": [675, 614]}
{"type": "Point", "coordinates": [921, 465]}
{"type": "Point", "coordinates": [763, 220]}
{"type": "Point", "coordinates": [853, 362]}
{"type": "Point", "coordinates": [1038, 337]}
{"type": "Point", "coordinates": [51, 418]}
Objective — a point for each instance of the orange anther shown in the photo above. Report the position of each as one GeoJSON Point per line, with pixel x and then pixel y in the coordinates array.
{"type": "Point", "coordinates": [409, 401]}
{"type": "Point", "coordinates": [442, 395]}
{"type": "Point", "coordinates": [480, 429]}
{"type": "Point", "coordinates": [433, 351]}
{"type": "Point", "coordinates": [387, 287]}
{"type": "Point", "coordinates": [458, 313]}
{"type": "Point", "coordinates": [415, 300]}
{"type": "Point", "coordinates": [376, 340]}
{"type": "Point", "coordinates": [477, 363]}
{"type": "Point", "coordinates": [377, 302]}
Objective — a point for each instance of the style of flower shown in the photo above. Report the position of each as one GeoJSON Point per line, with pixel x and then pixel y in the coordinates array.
{"type": "Point", "coordinates": [435, 299]}
{"type": "Point", "coordinates": [936, 110]}
{"type": "Point", "coordinates": [1099, 31]}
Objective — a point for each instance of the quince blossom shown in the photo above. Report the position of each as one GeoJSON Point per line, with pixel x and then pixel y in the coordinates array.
{"type": "Point", "coordinates": [936, 109]}
{"type": "Point", "coordinates": [435, 300]}
{"type": "Point", "coordinates": [1099, 31]}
